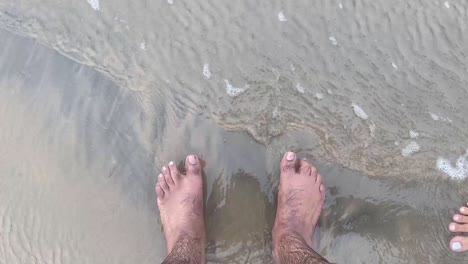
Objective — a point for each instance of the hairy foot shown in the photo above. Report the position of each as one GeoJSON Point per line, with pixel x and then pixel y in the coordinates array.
{"type": "Point", "coordinates": [180, 202]}
{"type": "Point", "coordinates": [301, 195]}
{"type": "Point", "coordinates": [460, 224]}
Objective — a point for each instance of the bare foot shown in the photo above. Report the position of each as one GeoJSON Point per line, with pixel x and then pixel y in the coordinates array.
{"type": "Point", "coordinates": [180, 202]}
{"type": "Point", "coordinates": [301, 195]}
{"type": "Point", "coordinates": [460, 224]}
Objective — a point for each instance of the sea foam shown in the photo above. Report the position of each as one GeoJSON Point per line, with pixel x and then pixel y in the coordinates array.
{"type": "Point", "coordinates": [459, 171]}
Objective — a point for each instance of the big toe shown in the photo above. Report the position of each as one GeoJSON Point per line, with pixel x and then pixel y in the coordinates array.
{"type": "Point", "coordinates": [288, 162]}
{"type": "Point", "coordinates": [193, 165]}
{"type": "Point", "coordinates": [459, 244]}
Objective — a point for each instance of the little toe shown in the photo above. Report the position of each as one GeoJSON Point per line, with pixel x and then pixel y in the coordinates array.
{"type": "Point", "coordinates": [159, 192]}
{"type": "Point", "coordinates": [459, 244]}
{"type": "Point", "coordinates": [288, 162]}
{"type": "Point", "coordinates": [193, 165]}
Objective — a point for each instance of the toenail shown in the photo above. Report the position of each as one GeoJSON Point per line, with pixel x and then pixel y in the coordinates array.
{"type": "Point", "coordinates": [452, 227]}
{"type": "Point", "coordinates": [456, 218]}
{"type": "Point", "coordinates": [164, 168]}
{"type": "Point", "coordinates": [462, 209]}
{"type": "Point", "coordinates": [456, 246]}
{"type": "Point", "coordinates": [160, 176]}
{"type": "Point", "coordinates": [192, 160]}
{"type": "Point", "coordinates": [290, 156]}
{"type": "Point", "coordinates": [171, 163]}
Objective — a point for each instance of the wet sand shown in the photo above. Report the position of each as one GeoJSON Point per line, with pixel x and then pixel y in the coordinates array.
{"type": "Point", "coordinates": [78, 167]}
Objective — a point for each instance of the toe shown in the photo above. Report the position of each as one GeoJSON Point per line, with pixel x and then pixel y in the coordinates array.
{"type": "Point", "coordinates": [464, 210]}
{"type": "Point", "coordinates": [304, 167]}
{"type": "Point", "coordinates": [313, 172]}
{"type": "Point", "coordinates": [167, 176]}
{"type": "Point", "coordinates": [454, 227]}
{"type": "Point", "coordinates": [174, 172]}
{"type": "Point", "coordinates": [459, 244]}
{"type": "Point", "coordinates": [323, 191]}
{"type": "Point", "coordinates": [288, 162]}
{"type": "Point", "coordinates": [319, 178]}
{"type": "Point", "coordinates": [193, 165]}
{"type": "Point", "coordinates": [162, 183]}
{"type": "Point", "coordinates": [159, 191]}
{"type": "Point", "coordinates": [462, 219]}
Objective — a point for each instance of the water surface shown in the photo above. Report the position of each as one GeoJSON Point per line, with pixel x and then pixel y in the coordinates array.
{"type": "Point", "coordinates": [93, 101]}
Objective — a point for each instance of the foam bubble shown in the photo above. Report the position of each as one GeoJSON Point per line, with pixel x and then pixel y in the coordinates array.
{"type": "Point", "coordinates": [372, 129]}
{"type": "Point", "coordinates": [411, 149]}
{"type": "Point", "coordinates": [234, 91]}
{"type": "Point", "coordinates": [341, 6]}
{"type": "Point", "coordinates": [359, 112]}
{"type": "Point", "coordinates": [440, 118]}
{"type": "Point", "coordinates": [394, 66]}
{"type": "Point", "coordinates": [333, 40]}
{"type": "Point", "coordinates": [435, 117]}
{"type": "Point", "coordinates": [447, 4]}
{"type": "Point", "coordinates": [329, 91]}
{"type": "Point", "coordinates": [459, 171]}
{"type": "Point", "coordinates": [299, 88]}
{"type": "Point", "coordinates": [170, 2]}
{"type": "Point", "coordinates": [143, 46]}
{"type": "Point", "coordinates": [319, 96]}
{"type": "Point", "coordinates": [94, 4]}
{"type": "Point", "coordinates": [206, 71]}
{"type": "Point", "coordinates": [276, 112]}
{"type": "Point", "coordinates": [282, 17]}
{"type": "Point", "coordinates": [413, 134]}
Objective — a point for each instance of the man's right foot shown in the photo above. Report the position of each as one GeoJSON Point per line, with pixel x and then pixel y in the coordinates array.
{"type": "Point", "coordinates": [301, 195]}
{"type": "Point", "coordinates": [180, 202]}
{"type": "Point", "coordinates": [459, 224]}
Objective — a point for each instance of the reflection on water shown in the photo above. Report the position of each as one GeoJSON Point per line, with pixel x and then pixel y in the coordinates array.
{"type": "Point", "coordinates": [239, 220]}
{"type": "Point", "coordinates": [93, 101]}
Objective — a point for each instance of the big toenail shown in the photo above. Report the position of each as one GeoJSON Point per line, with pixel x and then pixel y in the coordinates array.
{"type": "Point", "coordinates": [171, 163]}
{"type": "Point", "coordinates": [192, 160]}
{"type": "Point", "coordinates": [290, 156]}
{"type": "Point", "coordinates": [164, 169]}
{"type": "Point", "coordinates": [456, 246]}
{"type": "Point", "coordinates": [452, 227]}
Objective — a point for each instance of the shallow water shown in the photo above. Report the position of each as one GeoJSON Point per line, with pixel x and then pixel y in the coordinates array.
{"type": "Point", "coordinates": [94, 99]}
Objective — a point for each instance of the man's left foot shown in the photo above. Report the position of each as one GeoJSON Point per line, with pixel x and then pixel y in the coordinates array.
{"type": "Point", "coordinates": [301, 195]}
{"type": "Point", "coordinates": [180, 202]}
{"type": "Point", "coordinates": [459, 224]}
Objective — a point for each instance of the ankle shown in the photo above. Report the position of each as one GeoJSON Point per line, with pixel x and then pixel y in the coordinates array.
{"type": "Point", "coordinates": [292, 248]}
{"type": "Point", "coordinates": [187, 249]}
